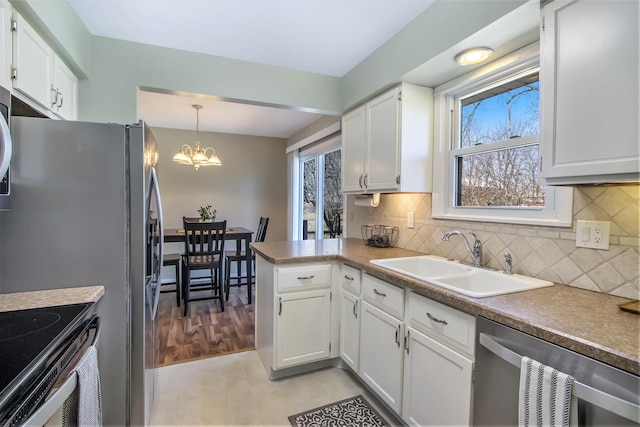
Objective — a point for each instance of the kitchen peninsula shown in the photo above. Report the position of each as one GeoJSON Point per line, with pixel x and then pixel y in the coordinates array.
{"type": "Point", "coordinates": [587, 322]}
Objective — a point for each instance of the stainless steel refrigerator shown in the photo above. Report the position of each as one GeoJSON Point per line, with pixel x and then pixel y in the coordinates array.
{"type": "Point", "coordinates": [85, 211]}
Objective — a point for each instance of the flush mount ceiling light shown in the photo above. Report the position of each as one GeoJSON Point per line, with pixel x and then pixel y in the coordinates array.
{"type": "Point", "coordinates": [474, 55]}
{"type": "Point", "coordinates": [197, 156]}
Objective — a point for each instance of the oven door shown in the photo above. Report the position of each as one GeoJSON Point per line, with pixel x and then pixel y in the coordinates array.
{"type": "Point", "coordinates": [50, 412]}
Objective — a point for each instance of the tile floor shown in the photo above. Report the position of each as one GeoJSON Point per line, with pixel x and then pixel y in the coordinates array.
{"type": "Point", "coordinates": [234, 389]}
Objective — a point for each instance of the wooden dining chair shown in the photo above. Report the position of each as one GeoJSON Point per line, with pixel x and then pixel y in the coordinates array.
{"type": "Point", "coordinates": [173, 260]}
{"type": "Point", "coordinates": [238, 257]}
{"type": "Point", "coordinates": [204, 249]}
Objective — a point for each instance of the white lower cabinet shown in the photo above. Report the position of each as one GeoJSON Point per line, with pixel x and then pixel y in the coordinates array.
{"type": "Point", "coordinates": [381, 354]}
{"type": "Point", "coordinates": [438, 364]}
{"type": "Point", "coordinates": [350, 304]}
{"type": "Point", "coordinates": [303, 331]}
{"type": "Point", "coordinates": [437, 383]}
{"type": "Point", "coordinates": [350, 329]}
{"type": "Point", "coordinates": [296, 321]}
{"type": "Point", "coordinates": [416, 354]}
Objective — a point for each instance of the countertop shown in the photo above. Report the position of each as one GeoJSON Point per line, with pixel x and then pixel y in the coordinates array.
{"type": "Point", "coordinates": [587, 322]}
{"type": "Point", "coordinates": [49, 298]}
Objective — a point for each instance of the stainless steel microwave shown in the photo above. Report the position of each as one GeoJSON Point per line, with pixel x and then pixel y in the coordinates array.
{"type": "Point", "coordinates": [5, 150]}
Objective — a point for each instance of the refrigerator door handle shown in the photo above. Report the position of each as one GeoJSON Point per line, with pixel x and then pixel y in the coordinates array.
{"type": "Point", "coordinates": [5, 146]}
{"type": "Point", "coordinates": [154, 189]}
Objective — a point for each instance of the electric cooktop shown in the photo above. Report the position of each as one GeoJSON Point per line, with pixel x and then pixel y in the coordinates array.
{"type": "Point", "coordinates": [28, 339]}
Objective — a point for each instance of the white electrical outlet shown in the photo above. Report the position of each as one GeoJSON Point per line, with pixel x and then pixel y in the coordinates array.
{"type": "Point", "coordinates": [592, 234]}
{"type": "Point", "coordinates": [410, 219]}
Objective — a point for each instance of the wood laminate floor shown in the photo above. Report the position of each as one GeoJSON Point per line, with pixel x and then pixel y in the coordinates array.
{"type": "Point", "coordinates": [206, 331]}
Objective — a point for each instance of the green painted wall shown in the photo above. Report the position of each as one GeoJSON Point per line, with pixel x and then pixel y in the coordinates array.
{"type": "Point", "coordinates": [119, 68]}
{"type": "Point", "coordinates": [116, 69]}
{"type": "Point", "coordinates": [439, 27]}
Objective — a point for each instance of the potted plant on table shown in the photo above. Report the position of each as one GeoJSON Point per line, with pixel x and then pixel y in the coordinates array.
{"type": "Point", "coordinates": [207, 214]}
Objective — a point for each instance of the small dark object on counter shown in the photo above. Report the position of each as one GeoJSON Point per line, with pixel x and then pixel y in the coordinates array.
{"type": "Point", "coordinates": [379, 241]}
{"type": "Point", "coordinates": [379, 236]}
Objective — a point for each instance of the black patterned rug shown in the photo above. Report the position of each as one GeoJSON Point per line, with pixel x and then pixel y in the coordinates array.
{"type": "Point", "coordinates": [354, 411]}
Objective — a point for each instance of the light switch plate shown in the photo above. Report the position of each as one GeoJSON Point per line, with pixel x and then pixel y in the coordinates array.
{"type": "Point", "coordinates": [411, 219]}
{"type": "Point", "coordinates": [592, 234]}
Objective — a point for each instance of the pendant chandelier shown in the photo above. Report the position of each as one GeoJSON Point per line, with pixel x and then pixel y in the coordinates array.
{"type": "Point", "coordinates": [197, 156]}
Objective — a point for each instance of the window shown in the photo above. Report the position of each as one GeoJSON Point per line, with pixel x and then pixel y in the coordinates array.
{"type": "Point", "coordinates": [496, 158]}
{"type": "Point", "coordinates": [488, 125]}
{"type": "Point", "coordinates": [320, 174]}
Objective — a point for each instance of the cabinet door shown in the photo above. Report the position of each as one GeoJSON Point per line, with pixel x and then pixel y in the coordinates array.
{"type": "Point", "coordinates": [589, 86]}
{"type": "Point", "coordinates": [303, 325]}
{"type": "Point", "coordinates": [350, 329]}
{"type": "Point", "coordinates": [66, 84]}
{"type": "Point", "coordinates": [5, 44]}
{"type": "Point", "coordinates": [353, 149]}
{"type": "Point", "coordinates": [437, 383]}
{"type": "Point", "coordinates": [381, 162]}
{"type": "Point", "coordinates": [33, 61]}
{"type": "Point", "coordinates": [381, 354]}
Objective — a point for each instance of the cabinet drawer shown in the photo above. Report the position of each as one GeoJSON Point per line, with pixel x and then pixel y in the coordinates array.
{"type": "Point", "coordinates": [385, 296]}
{"type": "Point", "coordinates": [350, 279]}
{"type": "Point", "coordinates": [304, 277]}
{"type": "Point", "coordinates": [443, 322]}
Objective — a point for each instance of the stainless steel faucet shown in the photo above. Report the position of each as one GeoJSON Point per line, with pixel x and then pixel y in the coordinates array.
{"type": "Point", "coordinates": [507, 263]}
{"type": "Point", "coordinates": [475, 253]}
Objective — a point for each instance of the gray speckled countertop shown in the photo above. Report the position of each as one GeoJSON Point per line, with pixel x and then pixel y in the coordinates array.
{"type": "Point", "coordinates": [49, 298]}
{"type": "Point", "coordinates": [586, 322]}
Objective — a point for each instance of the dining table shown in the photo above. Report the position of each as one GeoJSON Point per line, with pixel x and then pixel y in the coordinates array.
{"type": "Point", "coordinates": [242, 236]}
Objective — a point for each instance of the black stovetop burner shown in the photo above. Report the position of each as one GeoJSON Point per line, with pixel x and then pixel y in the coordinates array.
{"type": "Point", "coordinates": [28, 338]}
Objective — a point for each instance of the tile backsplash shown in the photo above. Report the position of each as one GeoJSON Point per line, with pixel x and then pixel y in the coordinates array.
{"type": "Point", "coordinates": [545, 252]}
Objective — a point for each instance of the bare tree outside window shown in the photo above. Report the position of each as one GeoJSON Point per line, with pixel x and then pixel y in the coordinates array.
{"type": "Point", "coordinates": [332, 198]}
{"type": "Point", "coordinates": [506, 175]}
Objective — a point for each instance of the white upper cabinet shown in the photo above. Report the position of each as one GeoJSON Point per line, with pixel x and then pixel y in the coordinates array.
{"type": "Point", "coordinates": [5, 44]}
{"type": "Point", "coordinates": [354, 134]}
{"type": "Point", "coordinates": [66, 87]}
{"type": "Point", "coordinates": [387, 143]}
{"type": "Point", "coordinates": [32, 64]}
{"type": "Point", "coordinates": [40, 74]}
{"type": "Point", "coordinates": [589, 82]}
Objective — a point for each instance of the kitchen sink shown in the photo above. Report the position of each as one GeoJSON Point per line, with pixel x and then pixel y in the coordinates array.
{"type": "Point", "coordinates": [423, 267]}
{"type": "Point", "coordinates": [484, 283]}
{"type": "Point", "coordinates": [472, 281]}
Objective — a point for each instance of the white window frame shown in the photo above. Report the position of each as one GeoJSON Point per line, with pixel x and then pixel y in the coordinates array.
{"type": "Point", "coordinates": [558, 209]}
{"type": "Point", "coordinates": [322, 147]}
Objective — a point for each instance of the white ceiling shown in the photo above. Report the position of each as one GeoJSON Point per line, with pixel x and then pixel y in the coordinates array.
{"type": "Point", "coordinates": [323, 36]}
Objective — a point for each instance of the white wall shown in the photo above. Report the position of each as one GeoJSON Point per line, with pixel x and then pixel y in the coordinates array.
{"type": "Point", "coordinates": [250, 183]}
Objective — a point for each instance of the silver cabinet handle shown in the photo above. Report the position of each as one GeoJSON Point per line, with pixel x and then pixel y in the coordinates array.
{"type": "Point", "coordinates": [280, 306]}
{"type": "Point", "coordinates": [406, 342]}
{"type": "Point", "coordinates": [435, 319]}
{"type": "Point", "coordinates": [398, 335]}
{"type": "Point", "coordinates": [380, 294]}
{"type": "Point", "coordinates": [61, 102]}
{"type": "Point", "coordinates": [365, 180]}
{"type": "Point", "coordinates": [348, 277]}
{"type": "Point", "coordinates": [360, 181]}
{"type": "Point", "coordinates": [355, 308]}
{"type": "Point", "coordinates": [306, 277]}
{"type": "Point", "coordinates": [53, 96]}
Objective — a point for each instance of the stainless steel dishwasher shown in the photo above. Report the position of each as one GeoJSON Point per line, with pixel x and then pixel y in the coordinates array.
{"type": "Point", "coordinates": [607, 396]}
